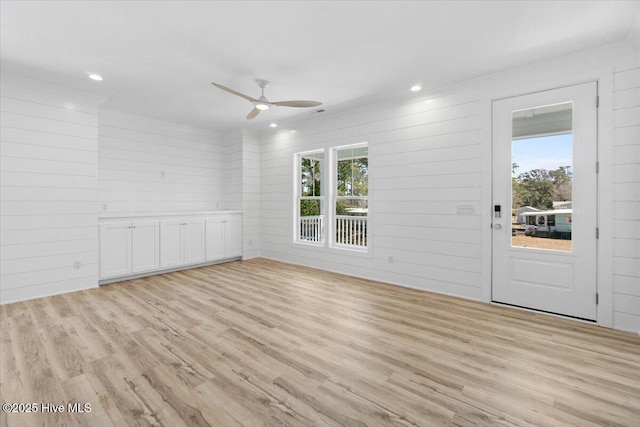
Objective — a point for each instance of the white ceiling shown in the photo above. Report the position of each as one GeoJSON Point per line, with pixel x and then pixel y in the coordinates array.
{"type": "Point", "coordinates": [157, 58]}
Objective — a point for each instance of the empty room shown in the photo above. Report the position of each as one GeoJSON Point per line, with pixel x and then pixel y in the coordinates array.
{"type": "Point", "coordinates": [346, 213]}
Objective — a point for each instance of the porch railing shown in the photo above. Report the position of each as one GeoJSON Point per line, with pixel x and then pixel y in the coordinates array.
{"type": "Point", "coordinates": [351, 230]}
{"type": "Point", "coordinates": [311, 228]}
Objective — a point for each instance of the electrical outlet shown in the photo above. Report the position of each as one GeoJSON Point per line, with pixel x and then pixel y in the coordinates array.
{"type": "Point", "coordinates": [390, 259]}
{"type": "Point", "coordinates": [162, 174]}
{"type": "Point", "coordinates": [104, 207]}
{"type": "Point", "coordinates": [76, 264]}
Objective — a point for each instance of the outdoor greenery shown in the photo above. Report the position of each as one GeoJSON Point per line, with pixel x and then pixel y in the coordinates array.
{"type": "Point", "coordinates": [539, 188]}
{"type": "Point", "coordinates": [352, 180]}
{"type": "Point", "coordinates": [352, 177]}
{"type": "Point", "coordinates": [311, 186]}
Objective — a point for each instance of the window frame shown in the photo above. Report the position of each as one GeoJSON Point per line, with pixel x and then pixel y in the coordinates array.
{"type": "Point", "coordinates": [329, 181]}
{"type": "Point", "coordinates": [299, 197]}
{"type": "Point", "coordinates": [334, 198]}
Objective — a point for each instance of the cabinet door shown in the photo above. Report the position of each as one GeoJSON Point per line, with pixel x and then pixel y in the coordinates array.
{"type": "Point", "coordinates": [145, 246]}
{"type": "Point", "coordinates": [233, 236]}
{"type": "Point", "coordinates": [115, 249]}
{"type": "Point", "coordinates": [215, 239]}
{"type": "Point", "coordinates": [171, 243]}
{"type": "Point", "coordinates": [193, 235]}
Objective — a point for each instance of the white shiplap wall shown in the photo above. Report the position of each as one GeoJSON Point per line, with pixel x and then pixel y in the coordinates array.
{"type": "Point", "coordinates": [250, 195]}
{"type": "Point", "coordinates": [626, 185]}
{"type": "Point", "coordinates": [232, 174]}
{"type": "Point", "coordinates": [425, 157]}
{"type": "Point", "coordinates": [49, 189]}
{"type": "Point", "coordinates": [432, 151]}
{"type": "Point", "coordinates": [148, 165]}
{"type": "Point", "coordinates": [242, 185]}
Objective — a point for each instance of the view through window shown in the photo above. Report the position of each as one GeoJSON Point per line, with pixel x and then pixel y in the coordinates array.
{"type": "Point", "coordinates": [352, 196]}
{"type": "Point", "coordinates": [311, 197]}
{"type": "Point", "coordinates": [542, 178]}
{"type": "Point", "coordinates": [347, 220]}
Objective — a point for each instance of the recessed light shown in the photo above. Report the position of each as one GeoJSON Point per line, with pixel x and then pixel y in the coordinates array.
{"type": "Point", "coordinates": [96, 77]}
{"type": "Point", "coordinates": [292, 131]}
{"type": "Point", "coordinates": [273, 125]}
{"type": "Point", "coordinates": [416, 88]}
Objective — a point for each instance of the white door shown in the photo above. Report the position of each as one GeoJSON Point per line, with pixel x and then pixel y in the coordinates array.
{"type": "Point", "coordinates": [544, 164]}
{"type": "Point", "coordinates": [215, 239]}
{"type": "Point", "coordinates": [233, 237]}
{"type": "Point", "coordinates": [193, 235]}
{"type": "Point", "coordinates": [115, 249]}
{"type": "Point", "coordinates": [171, 243]}
{"type": "Point", "coordinates": [144, 246]}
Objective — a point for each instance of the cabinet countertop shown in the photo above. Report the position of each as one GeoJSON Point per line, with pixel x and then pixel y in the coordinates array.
{"type": "Point", "coordinates": [163, 214]}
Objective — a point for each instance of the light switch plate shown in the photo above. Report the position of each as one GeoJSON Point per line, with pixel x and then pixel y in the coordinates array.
{"type": "Point", "coordinates": [466, 209]}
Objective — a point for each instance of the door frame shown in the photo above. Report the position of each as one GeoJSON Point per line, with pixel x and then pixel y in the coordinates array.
{"type": "Point", "coordinates": [517, 83]}
{"type": "Point", "coordinates": [587, 297]}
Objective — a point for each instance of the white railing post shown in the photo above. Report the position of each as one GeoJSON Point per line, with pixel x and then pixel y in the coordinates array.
{"type": "Point", "coordinates": [351, 236]}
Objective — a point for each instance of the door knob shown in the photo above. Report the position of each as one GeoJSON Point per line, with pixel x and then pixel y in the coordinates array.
{"type": "Point", "coordinates": [497, 226]}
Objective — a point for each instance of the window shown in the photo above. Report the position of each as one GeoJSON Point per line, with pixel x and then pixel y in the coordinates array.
{"type": "Point", "coordinates": [310, 203]}
{"type": "Point", "coordinates": [351, 196]}
{"type": "Point", "coordinates": [347, 193]}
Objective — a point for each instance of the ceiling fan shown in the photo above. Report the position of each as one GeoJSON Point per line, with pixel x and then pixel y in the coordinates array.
{"type": "Point", "coordinates": [263, 103]}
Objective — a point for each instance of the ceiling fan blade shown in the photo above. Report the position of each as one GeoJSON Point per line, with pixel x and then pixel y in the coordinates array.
{"type": "Point", "coordinates": [297, 103]}
{"type": "Point", "coordinates": [235, 92]}
{"type": "Point", "coordinates": [253, 113]}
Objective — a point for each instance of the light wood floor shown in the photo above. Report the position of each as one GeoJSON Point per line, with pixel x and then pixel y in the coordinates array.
{"type": "Point", "coordinates": [265, 343]}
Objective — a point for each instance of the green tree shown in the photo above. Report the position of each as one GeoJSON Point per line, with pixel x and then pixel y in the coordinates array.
{"type": "Point", "coordinates": [352, 180]}
{"type": "Point", "coordinates": [311, 186]}
{"type": "Point", "coordinates": [353, 177]}
{"type": "Point", "coordinates": [311, 177]}
{"type": "Point", "coordinates": [309, 207]}
{"type": "Point", "coordinates": [539, 188]}
{"type": "Point", "coordinates": [562, 182]}
{"type": "Point", "coordinates": [516, 199]}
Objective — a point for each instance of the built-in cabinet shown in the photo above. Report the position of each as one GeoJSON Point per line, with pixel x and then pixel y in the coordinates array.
{"type": "Point", "coordinates": [223, 237]}
{"type": "Point", "coordinates": [135, 246]}
{"type": "Point", "coordinates": [128, 248]}
{"type": "Point", "coordinates": [182, 242]}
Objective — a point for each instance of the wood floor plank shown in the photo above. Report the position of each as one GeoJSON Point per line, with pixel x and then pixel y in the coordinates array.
{"type": "Point", "coordinates": [261, 342]}
{"type": "Point", "coordinates": [79, 390]}
{"type": "Point", "coordinates": [37, 378]}
{"type": "Point", "coordinates": [13, 390]}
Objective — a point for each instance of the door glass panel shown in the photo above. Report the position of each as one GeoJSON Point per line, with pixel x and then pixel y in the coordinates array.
{"type": "Point", "coordinates": [542, 177]}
